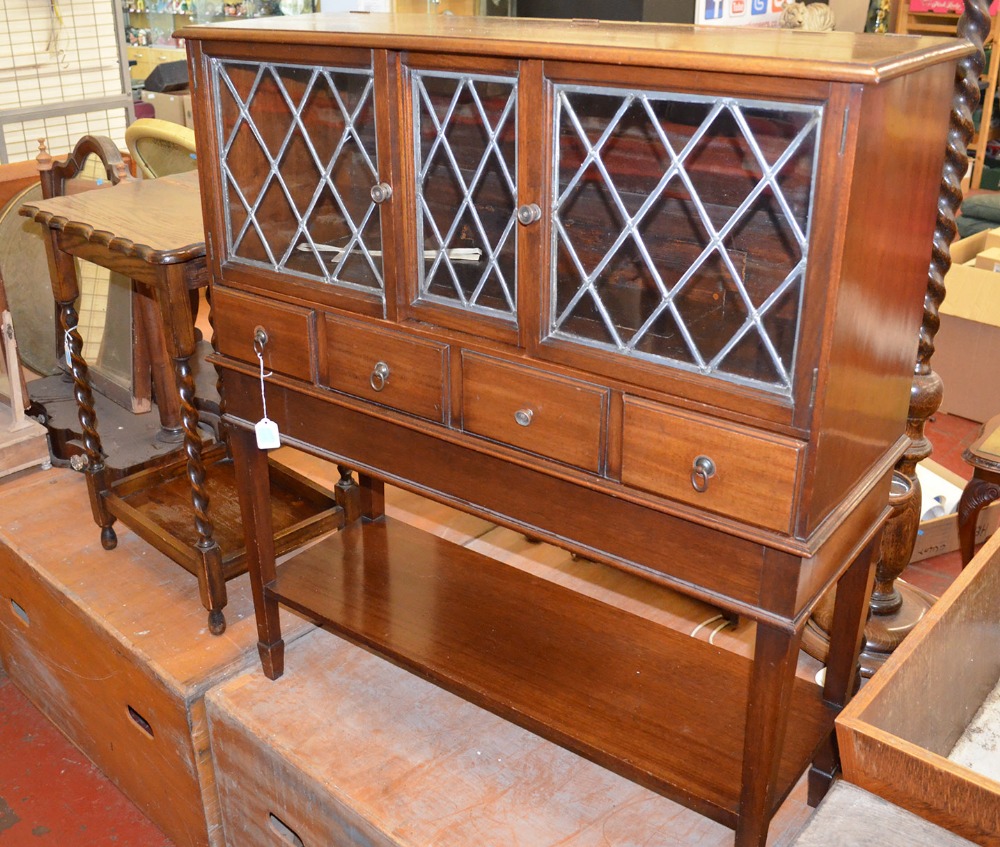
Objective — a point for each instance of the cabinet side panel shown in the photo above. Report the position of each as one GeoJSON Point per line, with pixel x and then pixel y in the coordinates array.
{"type": "Point", "coordinates": [863, 391]}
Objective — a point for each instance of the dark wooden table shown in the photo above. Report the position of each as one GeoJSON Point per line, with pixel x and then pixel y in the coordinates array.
{"type": "Point", "coordinates": [151, 231]}
{"type": "Point", "coordinates": [984, 487]}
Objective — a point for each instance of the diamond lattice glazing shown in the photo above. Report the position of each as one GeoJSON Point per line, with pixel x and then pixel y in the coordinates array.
{"type": "Point", "coordinates": [466, 161]}
{"type": "Point", "coordinates": [298, 161]}
{"type": "Point", "coordinates": [680, 228]}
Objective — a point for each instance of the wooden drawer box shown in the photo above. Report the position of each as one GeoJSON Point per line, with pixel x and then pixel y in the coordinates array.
{"type": "Point", "coordinates": [897, 733]}
{"type": "Point", "coordinates": [291, 334]}
{"type": "Point", "coordinates": [387, 368]}
{"type": "Point", "coordinates": [113, 648]}
{"type": "Point", "coordinates": [754, 474]}
{"type": "Point", "coordinates": [535, 411]}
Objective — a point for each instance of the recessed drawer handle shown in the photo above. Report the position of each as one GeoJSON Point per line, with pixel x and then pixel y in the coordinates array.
{"type": "Point", "coordinates": [380, 376]}
{"type": "Point", "coordinates": [523, 416]}
{"type": "Point", "coordinates": [702, 471]}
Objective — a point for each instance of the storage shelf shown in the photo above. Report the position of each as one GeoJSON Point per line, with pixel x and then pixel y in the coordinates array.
{"type": "Point", "coordinates": [934, 23]}
{"type": "Point", "coordinates": [653, 704]}
{"type": "Point", "coordinates": [156, 504]}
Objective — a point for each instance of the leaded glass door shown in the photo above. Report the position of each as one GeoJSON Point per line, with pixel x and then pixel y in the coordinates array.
{"type": "Point", "coordinates": [465, 163]}
{"type": "Point", "coordinates": [680, 229]}
{"type": "Point", "coordinates": [299, 171]}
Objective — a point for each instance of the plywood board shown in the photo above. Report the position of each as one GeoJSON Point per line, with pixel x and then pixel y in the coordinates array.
{"type": "Point", "coordinates": [852, 817]}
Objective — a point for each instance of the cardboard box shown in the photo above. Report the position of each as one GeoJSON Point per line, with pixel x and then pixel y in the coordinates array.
{"type": "Point", "coordinates": [188, 112]}
{"type": "Point", "coordinates": [992, 240]}
{"type": "Point", "coordinates": [967, 345]}
{"type": "Point", "coordinates": [168, 107]}
{"type": "Point", "coordinates": [989, 259]}
{"type": "Point", "coordinates": [940, 535]}
{"type": "Point", "coordinates": [943, 7]}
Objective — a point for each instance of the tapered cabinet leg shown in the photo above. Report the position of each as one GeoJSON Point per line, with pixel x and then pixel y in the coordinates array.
{"type": "Point", "coordinates": [843, 669]}
{"type": "Point", "coordinates": [771, 680]}
{"type": "Point", "coordinates": [253, 484]}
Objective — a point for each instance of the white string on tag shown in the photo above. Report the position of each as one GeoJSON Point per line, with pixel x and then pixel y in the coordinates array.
{"type": "Point", "coordinates": [68, 346]}
{"type": "Point", "coordinates": [268, 437]}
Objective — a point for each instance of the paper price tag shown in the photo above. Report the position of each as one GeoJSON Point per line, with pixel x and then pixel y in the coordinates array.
{"type": "Point", "coordinates": [268, 437]}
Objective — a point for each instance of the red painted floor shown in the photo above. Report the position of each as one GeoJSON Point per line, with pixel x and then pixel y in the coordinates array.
{"type": "Point", "coordinates": [51, 794]}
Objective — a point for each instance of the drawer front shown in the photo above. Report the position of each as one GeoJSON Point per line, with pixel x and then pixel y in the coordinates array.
{"type": "Point", "coordinates": [545, 414]}
{"type": "Point", "coordinates": [752, 476]}
{"type": "Point", "coordinates": [403, 373]}
{"type": "Point", "coordinates": [291, 332]}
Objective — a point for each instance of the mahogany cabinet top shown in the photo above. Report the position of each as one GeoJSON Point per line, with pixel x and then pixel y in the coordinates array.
{"type": "Point", "coordinates": [831, 56]}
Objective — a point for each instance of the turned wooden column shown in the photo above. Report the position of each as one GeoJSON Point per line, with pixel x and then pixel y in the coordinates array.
{"type": "Point", "coordinates": [896, 606]}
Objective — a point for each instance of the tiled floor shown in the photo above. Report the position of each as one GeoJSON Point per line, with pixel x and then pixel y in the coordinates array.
{"type": "Point", "coordinates": [51, 794]}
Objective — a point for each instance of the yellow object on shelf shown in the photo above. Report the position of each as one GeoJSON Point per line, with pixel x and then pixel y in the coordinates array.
{"type": "Point", "coordinates": [161, 147]}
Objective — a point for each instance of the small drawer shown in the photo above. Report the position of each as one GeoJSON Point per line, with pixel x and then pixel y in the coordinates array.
{"type": "Point", "coordinates": [751, 477]}
{"type": "Point", "coordinates": [545, 414]}
{"type": "Point", "coordinates": [291, 333]}
{"type": "Point", "coordinates": [378, 365]}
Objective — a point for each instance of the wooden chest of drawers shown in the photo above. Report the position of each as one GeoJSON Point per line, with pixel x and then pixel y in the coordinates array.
{"type": "Point", "coordinates": [650, 293]}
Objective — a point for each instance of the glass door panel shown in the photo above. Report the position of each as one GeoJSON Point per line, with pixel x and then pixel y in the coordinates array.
{"type": "Point", "coordinates": [298, 161]}
{"type": "Point", "coordinates": [466, 168]}
{"type": "Point", "coordinates": [680, 228]}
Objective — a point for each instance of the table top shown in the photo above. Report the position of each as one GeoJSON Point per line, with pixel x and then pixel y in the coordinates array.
{"type": "Point", "coordinates": [984, 452]}
{"type": "Point", "coordinates": [156, 220]}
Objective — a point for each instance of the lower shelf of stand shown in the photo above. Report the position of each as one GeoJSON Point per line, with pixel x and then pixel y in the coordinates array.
{"type": "Point", "coordinates": [156, 505]}
{"type": "Point", "coordinates": [653, 704]}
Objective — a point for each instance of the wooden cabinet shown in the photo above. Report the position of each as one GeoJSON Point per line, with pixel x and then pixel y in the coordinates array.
{"type": "Point", "coordinates": [651, 293]}
{"type": "Point", "coordinates": [147, 58]}
{"type": "Point", "coordinates": [946, 23]}
{"type": "Point", "coordinates": [435, 7]}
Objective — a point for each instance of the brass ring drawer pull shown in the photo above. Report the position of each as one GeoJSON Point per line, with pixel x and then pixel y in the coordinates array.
{"type": "Point", "coordinates": [260, 339]}
{"type": "Point", "coordinates": [380, 376]}
{"type": "Point", "coordinates": [702, 471]}
{"type": "Point", "coordinates": [523, 417]}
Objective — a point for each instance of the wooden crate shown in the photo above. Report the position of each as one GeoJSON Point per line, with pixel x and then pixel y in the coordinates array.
{"type": "Point", "coordinates": [113, 647]}
{"type": "Point", "coordinates": [348, 749]}
{"type": "Point", "coordinates": [896, 734]}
